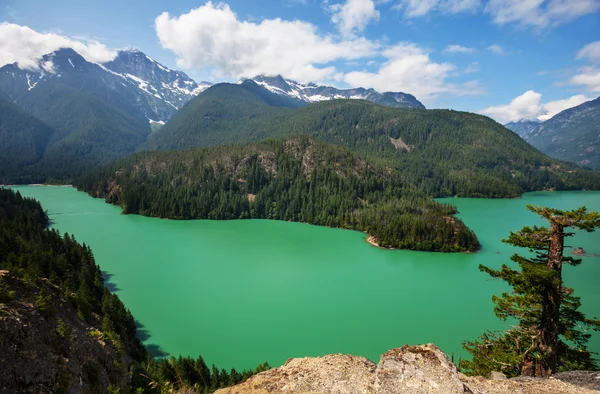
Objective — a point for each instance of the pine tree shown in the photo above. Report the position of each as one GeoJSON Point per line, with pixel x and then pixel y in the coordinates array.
{"type": "Point", "coordinates": [551, 333]}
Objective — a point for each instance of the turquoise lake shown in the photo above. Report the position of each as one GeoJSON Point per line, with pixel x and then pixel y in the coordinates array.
{"type": "Point", "coordinates": [243, 292]}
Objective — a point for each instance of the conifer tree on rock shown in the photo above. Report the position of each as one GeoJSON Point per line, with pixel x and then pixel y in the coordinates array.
{"type": "Point", "coordinates": [551, 333]}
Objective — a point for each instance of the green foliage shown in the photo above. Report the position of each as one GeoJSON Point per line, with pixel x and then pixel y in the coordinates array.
{"type": "Point", "coordinates": [44, 303]}
{"type": "Point", "coordinates": [29, 250]}
{"type": "Point", "coordinates": [63, 329]}
{"type": "Point", "coordinates": [6, 293]}
{"type": "Point", "coordinates": [297, 179]}
{"type": "Point", "coordinates": [550, 333]}
{"type": "Point", "coordinates": [178, 373]}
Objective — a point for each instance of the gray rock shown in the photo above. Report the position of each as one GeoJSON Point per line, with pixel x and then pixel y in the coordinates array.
{"type": "Point", "coordinates": [497, 376]}
{"type": "Point", "coordinates": [417, 370]}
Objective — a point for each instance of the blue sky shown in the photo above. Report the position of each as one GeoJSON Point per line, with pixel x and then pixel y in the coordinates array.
{"type": "Point", "coordinates": [510, 59]}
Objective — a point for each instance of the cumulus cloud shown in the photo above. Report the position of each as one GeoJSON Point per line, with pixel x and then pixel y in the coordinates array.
{"type": "Point", "coordinates": [529, 106]}
{"type": "Point", "coordinates": [416, 8]}
{"type": "Point", "coordinates": [25, 46]}
{"type": "Point", "coordinates": [212, 36]}
{"type": "Point", "coordinates": [458, 49]}
{"type": "Point", "coordinates": [353, 15]}
{"type": "Point", "coordinates": [539, 13]}
{"type": "Point", "coordinates": [410, 69]}
{"type": "Point", "coordinates": [496, 49]}
{"type": "Point", "coordinates": [590, 52]}
{"type": "Point", "coordinates": [589, 77]}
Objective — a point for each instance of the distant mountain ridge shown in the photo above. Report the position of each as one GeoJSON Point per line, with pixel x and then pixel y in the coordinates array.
{"type": "Point", "coordinates": [571, 135]}
{"type": "Point", "coordinates": [523, 127]}
{"type": "Point", "coordinates": [310, 92]}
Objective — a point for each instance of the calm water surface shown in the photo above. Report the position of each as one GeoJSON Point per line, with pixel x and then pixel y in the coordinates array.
{"type": "Point", "coordinates": [243, 292]}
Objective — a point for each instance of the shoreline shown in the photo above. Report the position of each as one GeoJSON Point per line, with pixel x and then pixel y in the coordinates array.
{"type": "Point", "coordinates": [371, 240]}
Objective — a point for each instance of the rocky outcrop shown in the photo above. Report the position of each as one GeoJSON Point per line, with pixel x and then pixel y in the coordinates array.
{"type": "Point", "coordinates": [422, 369]}
{"type": "Point", "coordinates": [50, 349]}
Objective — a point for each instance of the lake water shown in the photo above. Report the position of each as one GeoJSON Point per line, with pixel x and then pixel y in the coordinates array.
{"type": "Point", "coordinates": [243, 292]}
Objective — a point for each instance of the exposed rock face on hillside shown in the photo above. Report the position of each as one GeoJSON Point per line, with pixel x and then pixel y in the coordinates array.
{"type": "Point", "coordinates": [422, 369]}
{"type": "Point", "coordinates": [53, 352]}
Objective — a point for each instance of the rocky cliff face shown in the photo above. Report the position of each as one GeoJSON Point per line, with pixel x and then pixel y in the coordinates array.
{"type": "Point", "coordinates": [48, 349]}
{"type": "Point", "coordinates": [423, 369]}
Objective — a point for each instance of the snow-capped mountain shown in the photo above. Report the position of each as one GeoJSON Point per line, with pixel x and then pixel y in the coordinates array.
{"type": "Point", "coordinates": [174, 87]}
{"type": "Point", "coordinates": [132, 79]}
{"type": "Point", "coordinates": [310, 92]}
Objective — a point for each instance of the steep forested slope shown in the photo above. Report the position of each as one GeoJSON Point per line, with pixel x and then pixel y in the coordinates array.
{"type": "Point", "coordinates": [224, 114]}
{"type": "Point", "coordinates": [297, 179]}
{"type": "Point", "coordinates": [53, 292]}
{"type": "Point", "coordinates": [23, 141]}
{"type": "Point", "coordinates": [445, 152]}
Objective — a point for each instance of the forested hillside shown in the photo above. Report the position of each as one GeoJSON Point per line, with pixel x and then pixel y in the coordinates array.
{"type": "Point", "coordinates": [224, 114]}
{"type": "Point", "coordinates": [445, 152]}
{"type": "Point", "coordinates": [297, 179]}
{"type": "Point", "coordinates": [23, 141]}
{"type": "Point", "coordinates": [62, 331]}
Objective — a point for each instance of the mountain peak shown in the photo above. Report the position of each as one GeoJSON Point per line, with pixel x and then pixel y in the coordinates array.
{"type": "Point", "coordinates": [311, 92]}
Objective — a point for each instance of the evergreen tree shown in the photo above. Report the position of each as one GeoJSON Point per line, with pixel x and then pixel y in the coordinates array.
{"type": "Point", "coordinates": [551, 333]}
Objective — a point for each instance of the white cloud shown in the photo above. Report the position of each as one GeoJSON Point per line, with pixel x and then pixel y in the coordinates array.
{"type": "Point", "coordinates": [353, 15]}
{"type": "Point", "coordinates": [211, 36]}
{"type": "Point", "coordinates": [25, 46]}
{"type": "Point", "coordinates": [409, 69]}
{"type": "Point", "coordinates": [416, 8]}
{"type": "Point", "coordinates": [458, 49]}
{"type": "Point", "coordinates": [528, 106]}
{"type": "Point", "coordinates": [588, 77]}
{"type": "Point", "coordinates": [472, 68]}
{"type": "Point", "coordinates": [496, 49]}
{"type": "Point", "coordinates": [590, 52]}
{"type": "Point", "coordinates": [539, 13]}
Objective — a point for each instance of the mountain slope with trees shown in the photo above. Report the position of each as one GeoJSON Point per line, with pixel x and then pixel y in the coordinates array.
{"type": "Point", "coordinates": [296, 179]}
{"type": "Point", "coordinates": [23, 141]}
{"type": "Point", "coordinates": [446, 153]}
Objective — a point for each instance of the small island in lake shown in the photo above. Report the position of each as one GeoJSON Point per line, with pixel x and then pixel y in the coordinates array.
{"type": "Point", "coordinates": [578, 252]}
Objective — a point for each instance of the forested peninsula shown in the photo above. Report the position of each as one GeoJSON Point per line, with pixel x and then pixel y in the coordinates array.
{"type": "Point", "coordinates": [295, 179]}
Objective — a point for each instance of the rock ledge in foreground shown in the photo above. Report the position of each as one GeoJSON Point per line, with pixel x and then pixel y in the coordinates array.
{"type": "Point", "coordinates": [421, 369]}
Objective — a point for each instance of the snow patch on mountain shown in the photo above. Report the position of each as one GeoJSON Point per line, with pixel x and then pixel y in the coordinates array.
{"type": "Point", "coordinates": [310, 92]}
